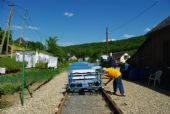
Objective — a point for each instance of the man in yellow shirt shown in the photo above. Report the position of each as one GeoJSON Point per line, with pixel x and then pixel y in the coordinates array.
{"type": "Point", "coordinates": [115, 75]}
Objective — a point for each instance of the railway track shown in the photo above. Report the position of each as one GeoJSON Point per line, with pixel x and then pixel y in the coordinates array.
{"type": "Point", "coordinates": [91, 103]}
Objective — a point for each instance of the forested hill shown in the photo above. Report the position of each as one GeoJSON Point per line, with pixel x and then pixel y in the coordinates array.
{"type": "Point", "coordinates": [96, 49]}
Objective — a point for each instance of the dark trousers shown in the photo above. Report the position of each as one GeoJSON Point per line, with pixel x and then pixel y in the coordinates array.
{"type": "Point", "coordinates": [117, 83]}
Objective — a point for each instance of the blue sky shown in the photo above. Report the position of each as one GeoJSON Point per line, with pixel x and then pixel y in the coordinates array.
{"type": "Point", "coordinates": [83, 21]}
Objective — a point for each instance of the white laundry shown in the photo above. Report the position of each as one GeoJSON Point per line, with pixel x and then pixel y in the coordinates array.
{"type": "Point", "coordinates": [32, 59]}
{"type": "Point", "coordinates": [28, 58]}
{"type": "Point", "coordinates": [52, 62]}
{"type": "Point", "coordinates": [2, 70]}
{"type": "Point", "coordinates": [43, 57]}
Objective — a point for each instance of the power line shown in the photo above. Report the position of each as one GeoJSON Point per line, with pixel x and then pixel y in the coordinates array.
{"type": "Point", "coordinates": [9, 3]}
{"type": "Point", "coordinates": [135, 17]}
{"type": "Point", "coordinates": [25, 17]}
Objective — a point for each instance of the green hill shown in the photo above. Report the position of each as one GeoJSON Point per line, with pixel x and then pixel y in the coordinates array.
{"type": "Point", "coordinates": [96, 49]}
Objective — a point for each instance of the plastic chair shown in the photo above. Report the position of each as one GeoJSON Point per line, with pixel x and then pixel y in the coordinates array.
{"type": "Point", "coordinates": [155, 77]}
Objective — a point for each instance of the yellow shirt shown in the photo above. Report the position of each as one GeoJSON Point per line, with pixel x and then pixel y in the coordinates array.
{"type": "Point", "coordinates": [113, 73]}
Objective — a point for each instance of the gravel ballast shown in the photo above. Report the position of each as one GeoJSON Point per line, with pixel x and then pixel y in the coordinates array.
{"type": "Point", "coordinates": [45, 100]}
{"type": "Point", "coordinates": [141, 100]}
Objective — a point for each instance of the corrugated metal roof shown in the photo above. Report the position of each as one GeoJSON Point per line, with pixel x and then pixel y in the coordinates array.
{"type": "Point", "coordinates": [163, 24]}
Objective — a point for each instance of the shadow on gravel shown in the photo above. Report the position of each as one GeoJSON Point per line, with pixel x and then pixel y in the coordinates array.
{"type": "Point", "coordinates": [109, 92]}
{"type": "Point", "coordinates": [157, 89]}
{"type": "Point", "coordinates": [4, 104]}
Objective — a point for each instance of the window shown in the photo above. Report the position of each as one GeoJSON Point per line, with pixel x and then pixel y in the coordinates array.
{"type": "Point", "coordinates": [126, 57]}
{"type": "Point", "coordinates": [166, 52]}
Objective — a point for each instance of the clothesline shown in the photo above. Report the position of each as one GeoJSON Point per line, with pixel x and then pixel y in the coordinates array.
{"type": "Point", "coordinates": [32, 59]}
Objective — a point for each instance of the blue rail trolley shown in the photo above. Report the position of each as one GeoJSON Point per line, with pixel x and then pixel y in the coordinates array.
{"type": "Point", "coordinates": [84, 76]}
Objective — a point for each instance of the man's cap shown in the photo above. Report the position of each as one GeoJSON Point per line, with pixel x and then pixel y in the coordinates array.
{"type": "Point", "coordinates": [104, 69]}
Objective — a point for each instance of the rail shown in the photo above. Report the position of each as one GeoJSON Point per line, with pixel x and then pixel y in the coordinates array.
{"type": "Point", "coordinates": [60, 106]}
{"type": "Point", "coordinates": [111, 104]}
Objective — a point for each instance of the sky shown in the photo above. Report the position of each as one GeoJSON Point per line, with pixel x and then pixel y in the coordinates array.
{"type": "Point", "coordinates": [83, 21]}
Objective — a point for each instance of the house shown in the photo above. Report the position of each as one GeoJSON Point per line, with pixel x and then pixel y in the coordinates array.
{"type": "Point", "coordinates": [154, 53]}
{"type": "Point", "coordinates": [73, 58]}
{"type": "Point", "coordinates": [121, 57]}
{"type": "Point", "coordinates": [20, 41]}
{"type": "Point", "coordinates": [86, 58]}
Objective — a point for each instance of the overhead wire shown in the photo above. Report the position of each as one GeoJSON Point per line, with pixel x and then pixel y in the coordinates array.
{"type": "Point", "coordinates": [25, 17]}
{"type": "Point", "coordinates": [135, 17]}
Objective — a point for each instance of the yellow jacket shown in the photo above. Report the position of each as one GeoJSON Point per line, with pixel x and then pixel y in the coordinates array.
{"type": "Point", "coordinates": [113, 73]}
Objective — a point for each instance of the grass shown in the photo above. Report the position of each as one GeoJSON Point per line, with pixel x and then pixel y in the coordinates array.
{"type": "Point", "coordinates": [21, 48]}
{"type": "Point", "coordinates": [10, 64]}
{"type": "Point", "coordinates": [18, 48]}
{"type": "Point", "coordinates": [11, 83]}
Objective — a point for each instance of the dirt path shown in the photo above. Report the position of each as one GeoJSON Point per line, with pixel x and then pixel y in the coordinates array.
{"type": "Point", "coordinates": [44, 101]}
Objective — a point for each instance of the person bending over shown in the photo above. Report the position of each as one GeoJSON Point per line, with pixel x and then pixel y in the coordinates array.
{"type": "Point", "coordinates": [116, 76]}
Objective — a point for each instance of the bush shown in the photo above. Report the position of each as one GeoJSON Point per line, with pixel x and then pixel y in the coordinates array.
{"type": "Point", "coordinates": [41, 65]}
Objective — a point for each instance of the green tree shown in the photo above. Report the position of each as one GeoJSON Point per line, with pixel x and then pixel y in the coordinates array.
{"type": "Point", "coordinates": [5, 41]}
{"type": "Point", "coordinates": [94, 50]}
{"type": "Point", "coordinates": [52, 44]}
{"type": "Point", "coordinates": [35, 45]}
{"type": "Point", "coordinates": [54, 48]}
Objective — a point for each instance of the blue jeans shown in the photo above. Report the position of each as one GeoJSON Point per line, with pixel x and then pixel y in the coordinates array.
{"type": "Point", "coordinates": [117, 83]}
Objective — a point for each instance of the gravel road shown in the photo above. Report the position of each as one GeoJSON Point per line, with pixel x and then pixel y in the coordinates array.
{"type": "Point", "coordinates": [85, 104]}
{"type": "Point", "coordinates": [44, 101]}
{"type": "Point", "coordinates": [141, 100]}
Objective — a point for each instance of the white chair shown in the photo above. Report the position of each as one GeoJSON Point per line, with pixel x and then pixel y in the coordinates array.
{"type": "Point", "coordinates": [155, 77]}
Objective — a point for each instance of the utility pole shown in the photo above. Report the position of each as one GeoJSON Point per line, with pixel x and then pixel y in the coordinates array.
{"type": "Point", "coordinates": [7, 42]}
{"type": "Point", "coordinates": [107, 38]}
{"type": "Point", "coordinates": [7, 27]}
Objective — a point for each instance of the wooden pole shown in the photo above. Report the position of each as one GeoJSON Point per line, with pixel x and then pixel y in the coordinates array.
{"type": "Point", "coordinates": [7, 44]}
{"type": "Point", "coordinates": [107, 38]}
{"type": "Point", "coordinates": [7, 27]}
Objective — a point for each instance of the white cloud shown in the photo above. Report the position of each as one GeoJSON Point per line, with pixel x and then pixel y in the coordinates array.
{"type": "Point", "coordinates": [147, 29]}
{"type": "Point", "coordinates": [17, 27]}
{"type": "Point", "coordinates": [112, 39]}
{"type": "Point", "coordinates": [68, 14]}
{"type": "Point", "coordinates": [128, 35]}
{"type": "Point", "coordinates": [109, 40]}
{"type": "Point", "coordinates": [66, 44]}
{"type": "Point", "coordinates": [33, 28]}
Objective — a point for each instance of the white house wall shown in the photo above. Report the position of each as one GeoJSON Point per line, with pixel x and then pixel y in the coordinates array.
{"type": "Point", "coordinates": [122, 58]}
